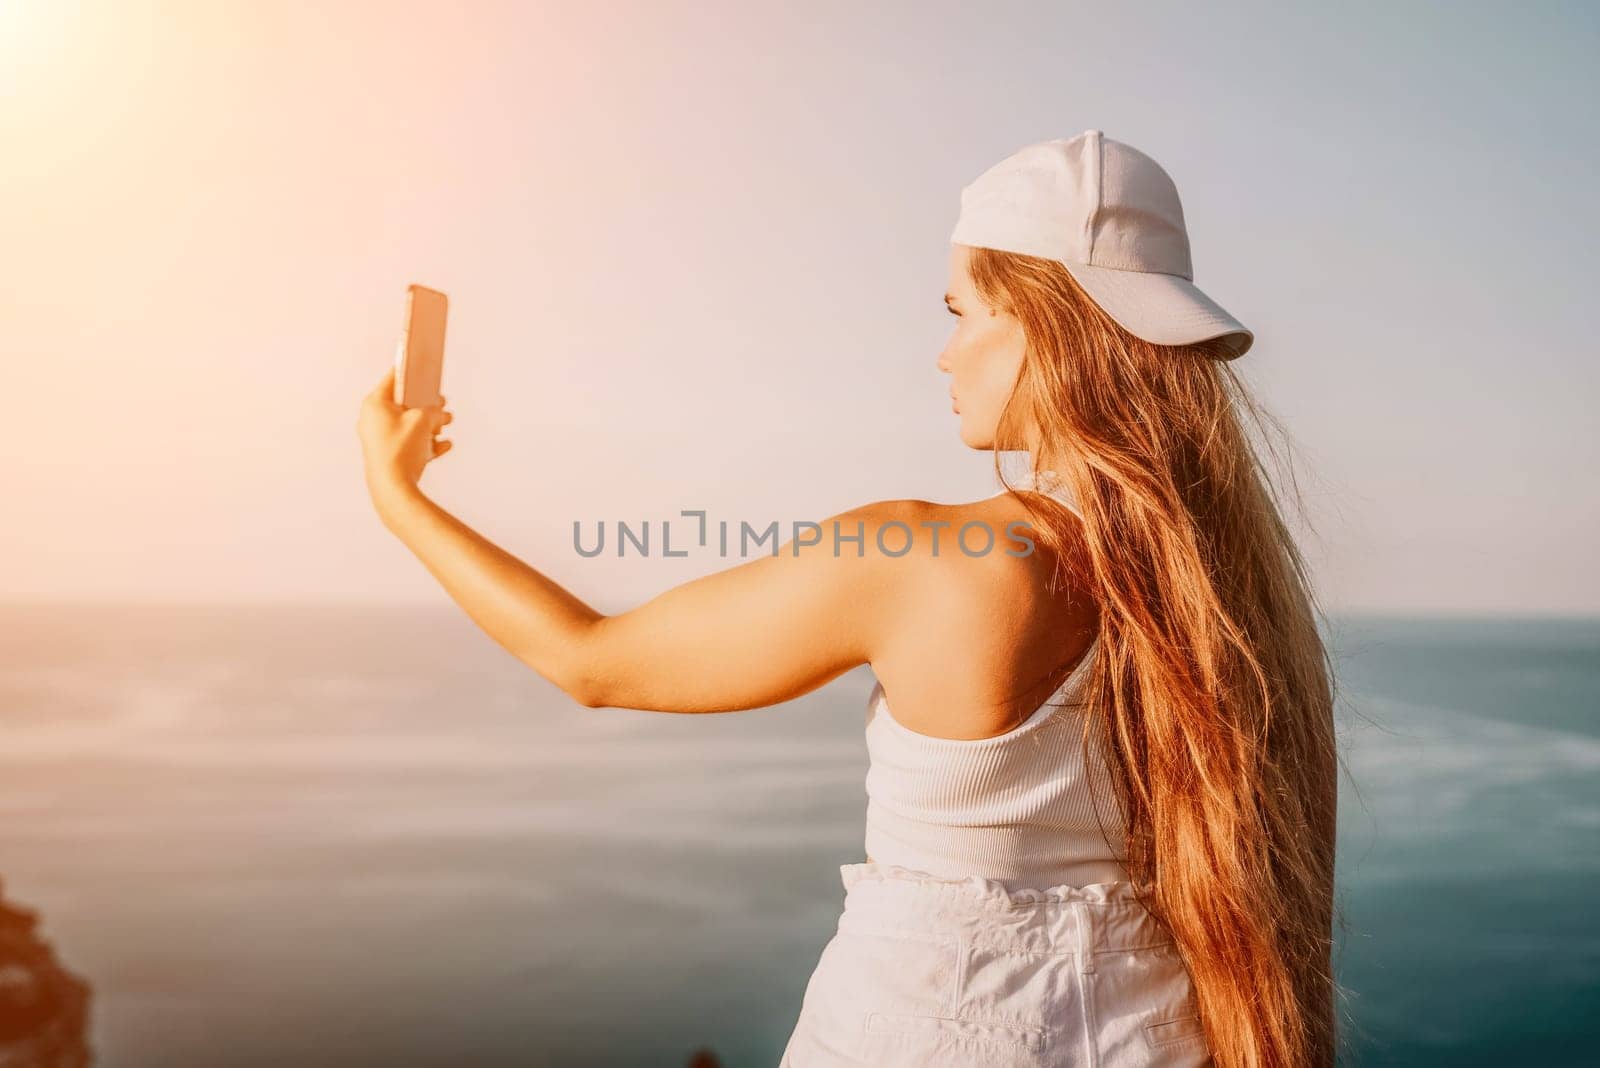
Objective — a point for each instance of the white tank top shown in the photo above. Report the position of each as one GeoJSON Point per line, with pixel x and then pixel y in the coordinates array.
{"type": "Point", "coordinates": [1017, 808]}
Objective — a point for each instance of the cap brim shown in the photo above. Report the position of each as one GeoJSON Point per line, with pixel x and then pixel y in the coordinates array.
{"type": "Point", "coordinates": [1163, 309]}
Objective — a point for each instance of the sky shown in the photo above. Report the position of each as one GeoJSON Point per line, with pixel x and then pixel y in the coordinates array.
{"type": "Point", "coordinates": [696, 255]}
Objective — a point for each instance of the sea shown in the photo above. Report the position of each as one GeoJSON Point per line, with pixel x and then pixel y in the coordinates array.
{"type": "Point", "coordinates": [311, 835]}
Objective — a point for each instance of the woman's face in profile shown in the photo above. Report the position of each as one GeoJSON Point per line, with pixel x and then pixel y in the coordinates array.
{"type": "Point", "coordinates": [982, 357]}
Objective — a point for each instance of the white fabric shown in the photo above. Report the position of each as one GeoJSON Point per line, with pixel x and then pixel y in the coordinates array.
{"type": "Point", "coordinates": [1017, 808]}
{"type": "Point", "coordinates": [992, 926]}
{"type": "Point", "coordinates": [932, 972]}
{"type": "Point", "coordinates": [1111, 215]}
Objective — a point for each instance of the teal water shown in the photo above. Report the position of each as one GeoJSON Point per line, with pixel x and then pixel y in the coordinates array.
{"type": "Point", "coordinates": [347, 836]}
{"type": "Point", "coordinates": [1470, 840]}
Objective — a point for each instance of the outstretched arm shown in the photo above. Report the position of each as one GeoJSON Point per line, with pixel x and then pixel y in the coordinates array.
{"type": "Point", "coordinates": [752, 635]}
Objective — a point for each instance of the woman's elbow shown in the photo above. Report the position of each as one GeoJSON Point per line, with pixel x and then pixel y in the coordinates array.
{"type": "Point", "coordinates": [580, 686]}
{"type": "Point", "coordinates": [581, 674]}
{"type": "Point", "coordinates": [586, 692]}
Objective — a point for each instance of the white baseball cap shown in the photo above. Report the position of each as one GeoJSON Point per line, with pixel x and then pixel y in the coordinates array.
{"type": "Point", "coordinates": [1111, 216]}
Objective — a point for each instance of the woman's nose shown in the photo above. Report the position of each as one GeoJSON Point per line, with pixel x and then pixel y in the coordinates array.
{"type": "Point", "coordinates": [943, 363]}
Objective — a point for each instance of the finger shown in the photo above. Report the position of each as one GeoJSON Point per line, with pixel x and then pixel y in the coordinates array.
{"type": "Point", "coordinates": [442, 419]}
{"type": "Point", "coordinates": [442, 446]}
{"type": "Point", "coordinates": [384, 390]}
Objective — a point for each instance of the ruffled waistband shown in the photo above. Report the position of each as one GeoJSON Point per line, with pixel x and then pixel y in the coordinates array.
{"type": "Point", "coordinates": [1092, 918]}
{"type": "Point", "coordinates": [990, 891]}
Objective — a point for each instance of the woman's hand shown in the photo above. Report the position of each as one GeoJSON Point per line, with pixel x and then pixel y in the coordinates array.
{"type": "Point", "coordinates": [398, 442]}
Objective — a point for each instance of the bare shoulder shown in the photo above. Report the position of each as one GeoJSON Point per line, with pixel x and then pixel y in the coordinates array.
{"type": "Point", "coordinates": [893, 561]}
{"type": "Point", "coordinates": [978, 638]}
{"type": "Point", "coordinates": [996, 529]}
{"type": "Point", "coordinates": [928, 566]}
{"type": "Point", "coordinates": [992, 551]}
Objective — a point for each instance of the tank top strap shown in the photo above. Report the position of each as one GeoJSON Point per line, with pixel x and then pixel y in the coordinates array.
{"type": "Point", "coordinates": [1048, 483]}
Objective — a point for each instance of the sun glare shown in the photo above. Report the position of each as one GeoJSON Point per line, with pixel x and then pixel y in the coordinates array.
{"type": "Point", "coordinates": [33, 36]}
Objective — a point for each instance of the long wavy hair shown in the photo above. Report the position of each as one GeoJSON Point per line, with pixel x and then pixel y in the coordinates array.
{"type": "Point", "coordinates": [1212, 689]}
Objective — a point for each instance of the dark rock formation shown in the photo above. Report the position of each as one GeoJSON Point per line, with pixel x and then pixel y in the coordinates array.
{"type": "Point", "coordinates": [44, 1009]}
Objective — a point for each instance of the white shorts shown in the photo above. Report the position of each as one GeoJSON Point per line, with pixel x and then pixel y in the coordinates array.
{"type": "Point", "coordinates": [930, 970]}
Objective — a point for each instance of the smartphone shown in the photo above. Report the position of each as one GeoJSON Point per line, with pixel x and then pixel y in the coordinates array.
{"type": "Point", "coordinates": [419, 359]}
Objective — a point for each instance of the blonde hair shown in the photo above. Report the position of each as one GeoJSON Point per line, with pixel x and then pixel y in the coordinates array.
{"type": "Point", "coordinates": [1212, 687]}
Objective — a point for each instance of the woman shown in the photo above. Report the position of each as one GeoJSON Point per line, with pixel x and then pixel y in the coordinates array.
{"type": "Point", "coordinates": [1101, 813]}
